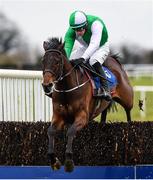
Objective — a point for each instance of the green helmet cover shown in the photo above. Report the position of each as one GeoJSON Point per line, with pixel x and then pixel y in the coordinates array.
{"type": "Point", "coordinates": [77, 19]}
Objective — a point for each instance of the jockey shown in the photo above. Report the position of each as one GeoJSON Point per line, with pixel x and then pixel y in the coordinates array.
{"type": "Point", "coordinates": [91, 33]}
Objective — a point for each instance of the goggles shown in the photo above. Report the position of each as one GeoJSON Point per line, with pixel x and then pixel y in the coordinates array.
{"type": "Point", "coordinates": [79, 29]}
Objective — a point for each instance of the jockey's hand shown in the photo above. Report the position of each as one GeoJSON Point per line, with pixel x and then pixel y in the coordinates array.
{"type": "Point", "coordinates": [76, 62]}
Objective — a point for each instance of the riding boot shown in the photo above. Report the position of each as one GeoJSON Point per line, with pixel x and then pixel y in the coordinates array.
{"type": "Point", "coordinates": [104, 92]}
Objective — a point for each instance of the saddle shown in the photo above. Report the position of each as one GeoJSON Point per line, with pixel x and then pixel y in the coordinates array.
{"type": "Point", "coordinates": [95, 78]}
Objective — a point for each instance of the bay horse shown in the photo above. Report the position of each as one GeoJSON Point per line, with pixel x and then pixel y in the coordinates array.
{"type": "Point", "coordinates": [72, 97]}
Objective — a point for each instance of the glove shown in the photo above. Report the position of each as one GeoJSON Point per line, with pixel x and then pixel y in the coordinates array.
{"type": "Point", "coordinates": [76, 62]}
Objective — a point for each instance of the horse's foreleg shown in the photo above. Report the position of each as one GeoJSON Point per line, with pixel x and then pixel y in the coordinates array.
{"type": "Point", "coordinates": [55, 163]}
{"type": "Point", "coordinates": [70, 136]}
{"type": "Point", "coordinates": [69, 165]}
{"type": "Point", "coordinates": [78, 124]}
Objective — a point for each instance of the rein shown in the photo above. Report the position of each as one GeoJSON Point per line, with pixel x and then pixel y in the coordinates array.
{"type": "Point", "coordinates": [72, 89]}
{"type": "Point", "coordinates": [61, 76]}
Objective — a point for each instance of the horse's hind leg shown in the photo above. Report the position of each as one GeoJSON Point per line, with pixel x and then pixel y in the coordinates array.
{"type": "Point", "coordinates": [104, 114]}
{"type": "Point", "coordinates": [127, 105]}
{"type": "Point", "coordinates": [128, 114]}
{"type": "Point", "coordinates": [103, 117]}
{"type": "Point", "coordinates": [55, 163]}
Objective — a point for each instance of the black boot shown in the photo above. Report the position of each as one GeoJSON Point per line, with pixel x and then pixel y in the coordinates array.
{"type": "Point", "coordinates": [104, 92]}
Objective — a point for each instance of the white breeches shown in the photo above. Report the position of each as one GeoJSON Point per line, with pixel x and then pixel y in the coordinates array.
{"type": "Point", "coordinates": [99, 55]}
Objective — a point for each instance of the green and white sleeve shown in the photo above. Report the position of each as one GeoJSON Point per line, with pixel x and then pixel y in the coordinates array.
{"type": "Point", "coordinates": [95, 39]}
{"type": "Point", "coordinates": [69, 42]}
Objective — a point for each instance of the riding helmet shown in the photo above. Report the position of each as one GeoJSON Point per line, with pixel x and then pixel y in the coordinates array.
{"type": "Point", "coordinates": [77, 20]}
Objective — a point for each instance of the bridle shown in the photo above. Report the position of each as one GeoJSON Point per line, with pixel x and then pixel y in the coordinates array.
{"type": "Point", "coordinates": [61, 76]}
{"type": "Point", "coordinates": [57, 77]}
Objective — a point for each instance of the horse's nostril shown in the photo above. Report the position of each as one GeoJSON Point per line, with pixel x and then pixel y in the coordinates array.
{"type": "Point", "coordinates": [51, 84]}
{"type": "Point", "coordinates": [47, 88]}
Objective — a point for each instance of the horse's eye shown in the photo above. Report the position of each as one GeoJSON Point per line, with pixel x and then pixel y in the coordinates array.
{"type": "Point", "coordinates": [56, 62]}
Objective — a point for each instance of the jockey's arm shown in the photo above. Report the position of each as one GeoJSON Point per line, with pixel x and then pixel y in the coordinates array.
{"type": "Point", "coordinates": [69, 42]}
{"type": "Point", "coordinates": [94, 44]}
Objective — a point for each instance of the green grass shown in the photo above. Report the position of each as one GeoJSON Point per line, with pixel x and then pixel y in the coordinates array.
{"type": "Point", "coordinates": [142, 81]}
{"type": "Point", "coordinates": [120, 115]}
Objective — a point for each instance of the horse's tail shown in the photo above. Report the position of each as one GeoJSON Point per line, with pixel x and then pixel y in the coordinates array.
{"type": "Point", "coordinates": [112, 107]}
{"type": "Point", "coordinates": [117, 58]}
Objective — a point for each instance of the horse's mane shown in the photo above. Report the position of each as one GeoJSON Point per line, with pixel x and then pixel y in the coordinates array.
{"type": "Point", "coordinates": [54, 43]}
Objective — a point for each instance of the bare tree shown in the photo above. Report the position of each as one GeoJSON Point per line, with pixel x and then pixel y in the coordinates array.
{"type": "Point", "coordinates": [9, 35]}
{"type": "Point", "coordinates": [13, 47]}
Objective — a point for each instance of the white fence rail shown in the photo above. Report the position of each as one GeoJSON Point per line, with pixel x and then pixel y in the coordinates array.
{"type": "Point", "coordinates": [139, 70]}
{"type": "Point", "coordinates": [22, 97]}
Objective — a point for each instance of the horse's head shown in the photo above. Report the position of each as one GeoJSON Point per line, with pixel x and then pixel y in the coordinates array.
{"type": "Point", "coordinates": [52, 63]}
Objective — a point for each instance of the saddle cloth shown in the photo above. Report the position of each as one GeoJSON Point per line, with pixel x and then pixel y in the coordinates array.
{"type": "Point", "coordinates": [112, 81]}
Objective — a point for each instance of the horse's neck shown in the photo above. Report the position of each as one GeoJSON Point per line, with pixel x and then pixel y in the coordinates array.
{"type": "Point", "coordinates": [68, 81]}
{"type": "Point", "coordinates": [74, 78]}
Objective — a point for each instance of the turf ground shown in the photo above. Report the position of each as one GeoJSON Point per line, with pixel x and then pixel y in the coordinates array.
{"type": "Point", "coordinates": [120, 115]}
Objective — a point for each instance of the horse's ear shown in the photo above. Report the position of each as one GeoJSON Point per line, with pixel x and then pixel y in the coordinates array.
{"type": "Point", "coordinates": [45, 45]}
{"type": "Point", "coordinates": [61, 47]}
{"type": "Point", "coordinates": [60, 41]}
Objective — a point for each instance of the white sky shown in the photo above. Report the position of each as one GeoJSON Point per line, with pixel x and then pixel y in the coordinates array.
{"type": "Point", "coordinates": [128, 21]}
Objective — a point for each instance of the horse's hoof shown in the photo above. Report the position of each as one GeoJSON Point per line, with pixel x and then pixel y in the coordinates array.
{"type": "Point", "coordinates": [69, 165]}
{"type": "Point", "coordinates": [56, 165]}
